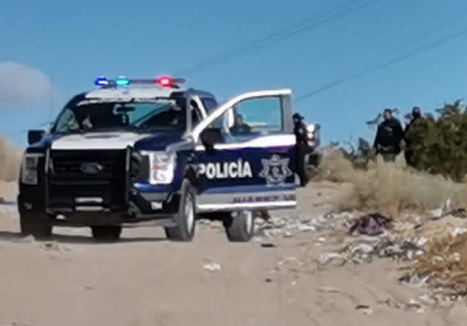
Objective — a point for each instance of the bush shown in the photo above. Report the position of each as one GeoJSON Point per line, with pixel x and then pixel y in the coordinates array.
{"type": "Point", "coordinates": [387, 187]}
{"type": "Point", "coordinates": [439, 145]}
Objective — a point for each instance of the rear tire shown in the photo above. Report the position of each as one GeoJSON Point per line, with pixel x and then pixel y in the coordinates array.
{"type": "Point", "coordinates": [186, 217]}
{"type": "Point", "coordinates": [240, 227]}
{"type": "Point", "coordinates": [106, 232]}
{"type": "Point", "coordinates": [30, 224]}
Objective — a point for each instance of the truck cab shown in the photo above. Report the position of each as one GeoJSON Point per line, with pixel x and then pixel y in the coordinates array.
{"type": "Point", "coordinates": [147, 151]}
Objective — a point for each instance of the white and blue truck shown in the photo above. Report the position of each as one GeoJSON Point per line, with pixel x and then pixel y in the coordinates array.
{"type": "Point", "coordinates": [148, 151]}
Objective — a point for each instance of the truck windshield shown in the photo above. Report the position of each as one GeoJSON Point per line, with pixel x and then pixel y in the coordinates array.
{"type": "Point", "coordinates": [89, 116]}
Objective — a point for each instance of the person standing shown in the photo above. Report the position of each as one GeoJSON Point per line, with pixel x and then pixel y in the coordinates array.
{"type": "Point", "coordinates": [388, 137]}
{"type": "Point", "coordinates": [301, 147]}
{"type": "Point", "coordinates": [416, 115]}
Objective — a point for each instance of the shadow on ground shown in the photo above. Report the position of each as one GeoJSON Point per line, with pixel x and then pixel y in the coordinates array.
{"type": "Point", "coordinates": [75, 239]}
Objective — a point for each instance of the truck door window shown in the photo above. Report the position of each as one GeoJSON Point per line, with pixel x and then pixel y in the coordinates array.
{"type": "Point", "coordinates": [251, 118]}
{"type": "Point", "coordinates": [209, 103]}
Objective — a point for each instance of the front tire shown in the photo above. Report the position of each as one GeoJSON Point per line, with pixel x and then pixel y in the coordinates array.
{"type": "Point", "coordinates": [106, 232]}
{"type": "Point", "coordinates": [186, 217]}
{"type": "Point", "coordinates": [240, 227]}
{"type": "Point", "coordinates": [30, 224]}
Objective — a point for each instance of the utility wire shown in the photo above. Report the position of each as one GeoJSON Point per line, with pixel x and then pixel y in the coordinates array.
{"type": "Point", "coordinates": [429, 32]}
{"type": "Point", "coordinates": [382, 65]}
{"type": "Point", "coordinates": [282, 34]}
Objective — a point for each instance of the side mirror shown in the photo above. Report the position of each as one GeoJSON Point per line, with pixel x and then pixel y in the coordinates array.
{"type": "Point", "coordinates": [35, 136]}
{"type": "Point", "coordinates": [210, 137]}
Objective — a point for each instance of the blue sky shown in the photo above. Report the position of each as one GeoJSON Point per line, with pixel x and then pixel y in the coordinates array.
{"type": "Point", "coordinates": [73, 42]}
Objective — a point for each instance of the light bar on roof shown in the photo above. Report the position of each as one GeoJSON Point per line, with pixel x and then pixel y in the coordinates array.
{"type": "Point", "coordinates": [121, 81]}
{"type": "Point", "coordinates": [101, 81]}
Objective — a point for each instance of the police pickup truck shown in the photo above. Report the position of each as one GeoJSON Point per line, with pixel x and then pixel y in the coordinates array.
{"type": "Point", "coordinates": [147, 151]}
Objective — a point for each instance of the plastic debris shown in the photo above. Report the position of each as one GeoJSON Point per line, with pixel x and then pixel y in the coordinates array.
{"type": "Point", "coordinates": [366, 309]}
{"type": "Point", "coordinates": [212, 267]}
{"type": "Point", "coordinates": [332, 258]}
{"type": "Point", "coordinates": [371, 224]}
{"type": "Point", "coordinates": [414, 305]}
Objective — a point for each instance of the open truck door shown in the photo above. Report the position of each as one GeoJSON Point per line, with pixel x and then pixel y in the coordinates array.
{"type": "Point", "coordinates": [242, 166]}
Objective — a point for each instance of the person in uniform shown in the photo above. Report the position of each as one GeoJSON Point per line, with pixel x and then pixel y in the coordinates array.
{"type": "Point", "coordinates": [240, 127]}
{"type": "Point", "coordinates": [416, 115]}
{"type": "Point", "coordinates": [301, 147]}
{"type": "Point", "coordinates": [388, 137]}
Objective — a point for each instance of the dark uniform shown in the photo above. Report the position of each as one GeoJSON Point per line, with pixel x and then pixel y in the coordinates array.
{"type": "Point", "coordinates": [240, 127]}
{"type": "Point", "coordinates": [415, 117]}
{"type": "Point", "coordinates": [388, 137]}
{"type": "Point", "coordinates": [301, 148]}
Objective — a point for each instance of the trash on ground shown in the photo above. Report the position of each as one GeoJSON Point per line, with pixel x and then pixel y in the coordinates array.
{"type": "Point", "coordinates": [371, 224]}
{"type": "Point", "coordinates": [268, 245]}
{"type": "Point", "coordinates": [364, 251]}
{"type": "Point", "coordinates": [364, 308]}
{"type": "Point", "coordinates": [54, 246]}
{"type": "Point", "coordinates": [328, 289]}
{"type": "Point", "coordinates": [212, 267]}
{"type": "Point", "coordinates": [444, 265]}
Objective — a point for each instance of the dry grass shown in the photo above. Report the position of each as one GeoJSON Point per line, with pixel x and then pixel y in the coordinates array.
{"type": "Point", "coordinates": [445, 263]}
{"type": "Point", "coordinates": [10, 159]}
{"type": "Point", "coordinates": [390, 188]}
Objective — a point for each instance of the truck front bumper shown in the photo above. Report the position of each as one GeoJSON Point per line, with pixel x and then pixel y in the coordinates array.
{"type": "Point", "coordinates": [143, 209]}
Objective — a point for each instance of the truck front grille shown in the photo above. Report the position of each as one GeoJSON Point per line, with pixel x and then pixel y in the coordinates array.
{"type": "Point", "coordinates": [82, 177]}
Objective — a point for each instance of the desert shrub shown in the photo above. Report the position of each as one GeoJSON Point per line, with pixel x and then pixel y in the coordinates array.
{"type": "Point", "coordinates": [10, 159]}
{"type": "Point", "coordinates": [439, 144]}
{"type": "Point", "coordinates": [387, 187]}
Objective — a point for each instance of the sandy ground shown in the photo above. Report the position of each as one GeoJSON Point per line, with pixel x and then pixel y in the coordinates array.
{"type": "Point", "coordinates": [145, 280]}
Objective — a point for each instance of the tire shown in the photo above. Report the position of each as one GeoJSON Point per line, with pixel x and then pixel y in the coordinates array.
{"type": "Point", "coordinates": [314, 159]}
{"type": "Point", "coordinates": [106, 232]}
{"type": "Point", "coordinates": [186, 217]}
{"type": "Point", "coordinates": [240, 227]}
{"type": "Point", "coordinates": [30, 225]}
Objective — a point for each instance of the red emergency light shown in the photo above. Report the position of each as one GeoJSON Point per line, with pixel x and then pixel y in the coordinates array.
{"type": "Point", "coordinates": [165, 81]}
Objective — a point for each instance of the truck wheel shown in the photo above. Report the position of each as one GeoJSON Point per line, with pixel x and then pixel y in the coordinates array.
{"type": "Point", "coordinates": [30, 225]}
{"type": "Point", "coordinates": [106, 232]}
{"type": "Point", "coordinates": [240, 227]}
{"type": "Point", "coordinates": [186, 217]}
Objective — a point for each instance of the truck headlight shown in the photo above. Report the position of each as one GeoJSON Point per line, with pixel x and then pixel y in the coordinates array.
{"type": "Point", "coordinates": [161, 167]}
{"type": "Point", "coordinates": [29, 168]}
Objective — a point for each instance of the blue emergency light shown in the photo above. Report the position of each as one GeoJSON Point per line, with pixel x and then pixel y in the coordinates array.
{"type": "Point", "coordinates": [101, 81]}
{"type": "Point", "coordinates": [121, 81]}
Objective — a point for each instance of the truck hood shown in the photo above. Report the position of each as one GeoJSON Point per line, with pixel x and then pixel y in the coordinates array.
{"type": "Point", "coordinates": [111, 140]}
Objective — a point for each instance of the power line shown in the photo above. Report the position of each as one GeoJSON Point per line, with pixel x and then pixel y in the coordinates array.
{"type": "Point", "coordinates": [282, 34]}
{"type": "Point", "coordinates": [430, 31]}
{"type": "Point", "coordinates": [383, 65]}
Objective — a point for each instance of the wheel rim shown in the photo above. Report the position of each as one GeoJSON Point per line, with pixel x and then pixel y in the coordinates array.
{"type": "Point", "coordinates": [248, 215]}
{"type": "Point", "coordinates": [189, 213]}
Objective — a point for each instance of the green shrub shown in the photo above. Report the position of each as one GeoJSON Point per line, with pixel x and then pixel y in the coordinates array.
{"type": "Point", "coordinates": [439, 144]}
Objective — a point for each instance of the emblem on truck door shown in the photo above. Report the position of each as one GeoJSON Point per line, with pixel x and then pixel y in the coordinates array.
{"type": "Point", "coordinates": [91, 168]}
{"type": "Point", "coordinates": [275, 170]}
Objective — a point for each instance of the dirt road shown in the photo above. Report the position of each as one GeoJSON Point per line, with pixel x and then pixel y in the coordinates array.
{"type": "Point", "coordinates": [145, 280]}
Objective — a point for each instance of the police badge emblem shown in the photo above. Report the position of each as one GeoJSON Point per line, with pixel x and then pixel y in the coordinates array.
{"type": "Point", "coordinates": [275, 170]}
